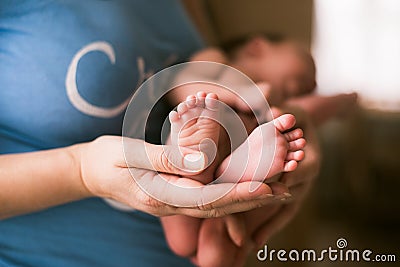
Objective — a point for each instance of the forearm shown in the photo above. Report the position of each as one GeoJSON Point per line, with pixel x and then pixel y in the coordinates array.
{"type": "Point", "coordinates": [33, 181]}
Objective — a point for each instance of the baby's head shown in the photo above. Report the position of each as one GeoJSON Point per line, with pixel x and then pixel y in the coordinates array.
{"type": "Point", "coordinates": [286, 65]}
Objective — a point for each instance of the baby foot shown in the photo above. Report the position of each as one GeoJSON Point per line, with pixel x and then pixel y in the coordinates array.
{"type": "Point", "coordinates": [194, 125]}
{"type": "Point", "coordinates": [258, 149]}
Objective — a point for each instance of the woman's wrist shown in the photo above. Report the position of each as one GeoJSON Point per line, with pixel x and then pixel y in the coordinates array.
{"type": "Point", "coordinates": [45, 179]}
{"type": "Point", "coordinates": [77, 181]}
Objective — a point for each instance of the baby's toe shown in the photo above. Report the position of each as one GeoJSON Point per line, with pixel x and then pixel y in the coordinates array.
{"type": "Point", "coordinates": [211, 101]}
{"type": "Point", "coordinates": [284, 122]}
{"type": "Point", "coordinates": [200, 99]}
{"type": "Point", "coordinates": [290, 166]}
{"type": "Point", "coordinates": [296, 155]}
{"type": "Point", "coordinates": [182, 108]}
{"type": "Point", "coordinates": [191, 101]}
{"type": "Point", "coordinates": [173, 116]}
{"type": "Point", "coordinates": [297, 144]}
{"type": "Point", "coordinates": [293, 135]}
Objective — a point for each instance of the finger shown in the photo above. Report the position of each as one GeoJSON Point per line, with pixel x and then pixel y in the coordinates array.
{"type": "Point", "coordinates": [179, 195]}
{"type": "Point", "coordinates": [222, 211]}
{"type": "Point", "coordinates": [214, 244]}
{"type": "Point", "coordinates": [236, 228]}
{"type": "Point", "coordinates": [239, 199]}
{"type": "Point", "coordinates": [186, 196]}
{"type": "Point", "coordinates": [242, 255]}
{"type": "Point", "coordinates": [167, 159]}
{"type": "Point", "coordinates": [279, 190]}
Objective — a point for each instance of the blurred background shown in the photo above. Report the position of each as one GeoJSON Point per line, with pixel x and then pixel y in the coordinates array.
{"type": "Point", "coordinates": [356, 46]}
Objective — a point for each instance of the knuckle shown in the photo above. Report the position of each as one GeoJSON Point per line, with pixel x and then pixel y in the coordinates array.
{"type": "Point", "coordinates": [213, 213]}
{"type": "Point", "coordinates": [200, 206]}
{"type": "Point", "coordinates": [155, 160]}
{"type": "Point", "coordinates": [166, 161]}
{"type": "Point", "coordinates": [159, 161]}
{"type": "Point", "coordinates": [208, 210]}
{"type": "Point", "coordinates": [150, 204]}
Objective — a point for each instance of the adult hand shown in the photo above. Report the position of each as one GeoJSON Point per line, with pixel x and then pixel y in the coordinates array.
{"type": "Point", "coordinates": [106, 173]}
{"type": "Point", "coordinates": [225, 241]}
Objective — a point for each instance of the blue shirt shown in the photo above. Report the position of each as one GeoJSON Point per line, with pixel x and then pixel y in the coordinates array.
{"type": "Point", "coordinates": [67, 70]}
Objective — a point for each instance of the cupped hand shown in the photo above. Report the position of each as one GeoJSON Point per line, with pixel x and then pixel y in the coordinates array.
{"type": "Point", "coordinates": [107, 171]}
{"type": "Point", "coordinates": [228, 241]}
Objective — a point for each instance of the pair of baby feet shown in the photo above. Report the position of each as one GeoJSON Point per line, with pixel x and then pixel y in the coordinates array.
{"type": "Point", "coordinates": [195, 125]}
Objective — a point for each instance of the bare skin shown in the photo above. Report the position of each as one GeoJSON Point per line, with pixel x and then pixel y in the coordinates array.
{"type": "Point", "coordinates": [99, 168]}
{"type": "Point", "coordinates": [284, 73]}
{"type": "Point", "coordinates": [287, 152]}
{"type": "Point", "coordinates": [195, 122]}
{"type": "Point", "coordinates": [255, 227]}
{"type": "Point", "coordinates": [194, 125]}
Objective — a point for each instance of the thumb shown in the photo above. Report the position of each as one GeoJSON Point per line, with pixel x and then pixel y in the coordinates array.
{"type": "Point", "coordinates": [164, 158]}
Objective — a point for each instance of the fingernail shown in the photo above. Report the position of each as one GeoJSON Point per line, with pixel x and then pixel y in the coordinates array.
{"type": "Point", "coordinates": [288, 195]}
{"type": "Point", "coordinates": [264, 196]}
{"type": "Point", "coordinates": [194, 162]}
{"type": "Point", "coordinates": [284, 196]}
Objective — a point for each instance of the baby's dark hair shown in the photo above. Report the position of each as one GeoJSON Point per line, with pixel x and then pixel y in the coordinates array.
{"type": "Point", "coordinates": [231, 46]}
